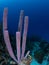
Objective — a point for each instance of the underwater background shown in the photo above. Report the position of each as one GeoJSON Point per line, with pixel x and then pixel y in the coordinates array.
{"type": "Point", "coordinates": [38, 30]}
{"type": "Point", "coordinates": [37, 10]}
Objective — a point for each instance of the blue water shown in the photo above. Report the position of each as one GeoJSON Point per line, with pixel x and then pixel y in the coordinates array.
{"type": "Point", "coordinates": [37, 10]}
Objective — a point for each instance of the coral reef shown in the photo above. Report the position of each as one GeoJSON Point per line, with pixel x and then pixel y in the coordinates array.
{"type": "Point", "coordinates": [38, 48]}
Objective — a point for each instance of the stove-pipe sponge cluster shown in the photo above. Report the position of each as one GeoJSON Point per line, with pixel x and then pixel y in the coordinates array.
{"type": "Point", "coordinates": [21, 59]}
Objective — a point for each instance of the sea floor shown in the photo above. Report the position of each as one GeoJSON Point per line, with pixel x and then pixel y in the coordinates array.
{"type": "Point", "coordinates": [34, 62]}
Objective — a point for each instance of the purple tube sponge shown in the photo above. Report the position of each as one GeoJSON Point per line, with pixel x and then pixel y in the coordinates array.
{"type": "Point", "coordinates": [8, 45]}
{"type": "Point", "coordinates": [5, 19]}
{"type": "Point", "coordinates": [24, 36]}
{"type": "Point", "coordinates": [18, 45]}
{"type": "Point", "coordinates": [21, 21]}
{"type": "Point", "coordinates": [20, 55]}
{"type": "Point", "coordinates": [6, 35]}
